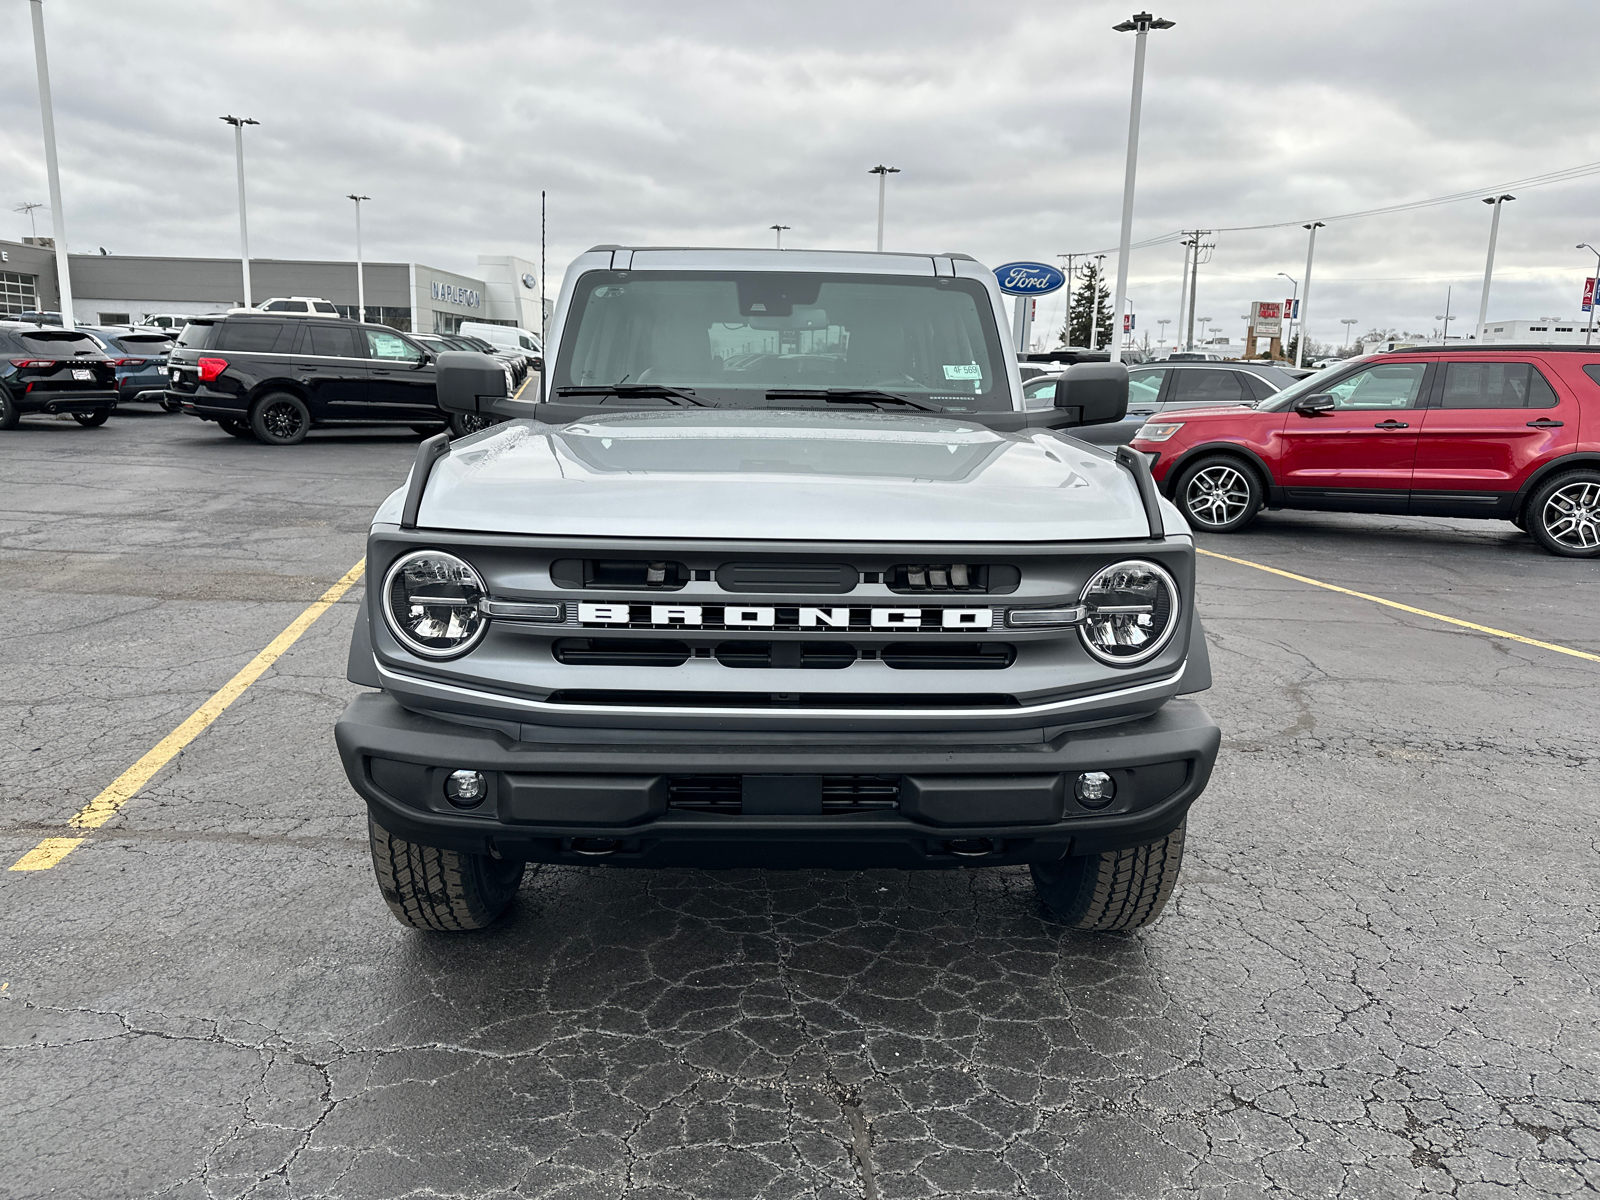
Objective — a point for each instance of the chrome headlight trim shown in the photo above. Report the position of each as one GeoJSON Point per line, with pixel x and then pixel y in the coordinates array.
{"type": "Point", "coordinates": [1159, 642]}
{"type": "Point", "coordinates": [431, 653]}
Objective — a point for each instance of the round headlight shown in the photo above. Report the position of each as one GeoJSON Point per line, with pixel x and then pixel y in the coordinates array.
{"type": "Point", "coordinates": [430, 600]}
{"type": "Point", "coordinates": [1132, 612]}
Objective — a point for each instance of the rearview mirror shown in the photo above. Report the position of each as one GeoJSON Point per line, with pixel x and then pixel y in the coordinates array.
{"type": "Point", "coordinates": [468, 382]}
{"type": "Point", "coordinates": [1312, 406]}
{"type": "Point", "coordinates": [1098, 391]}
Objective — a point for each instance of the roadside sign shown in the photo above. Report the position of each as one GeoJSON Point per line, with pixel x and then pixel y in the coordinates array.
{"type": "Point", "coordinates": [1029, 278]}
{"type": "Point", "coordinates": [1266, 316]}
{"type": "Point", "coordinates": [1588, 294]}
{"type": "Point", "coordinates": [1291, 310]}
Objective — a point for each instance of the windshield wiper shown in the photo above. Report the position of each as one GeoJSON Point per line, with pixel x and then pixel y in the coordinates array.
{"type": "Point", "coordinates": [643, 390]}
{"type": "Point", "coordinates": [849, 396]}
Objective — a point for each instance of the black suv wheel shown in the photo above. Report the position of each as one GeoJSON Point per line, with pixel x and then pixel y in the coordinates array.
{"type": "Point", "coordinates": [90, 419]}
{"type": "Point", "coordinates": [1120, 889]}
{"type": "Point", "coordinates": [1218, 494]}
{"type": "Point", "coordinates": [461, 424]}
{"type": "Point", "coordinates": [280, 419]}
{"type": "Point", "coordinates": [1563, 514]}
{"type": "Point", "coordinates": [440, 889]}
{"type": "Point", "coordinates": [239, 429]}
{"type": "Point", "coordinates": [9, 415]}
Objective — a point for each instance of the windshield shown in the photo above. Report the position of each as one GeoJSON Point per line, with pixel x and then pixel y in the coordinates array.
{"type": "Point", "coordinates": [730, 337]}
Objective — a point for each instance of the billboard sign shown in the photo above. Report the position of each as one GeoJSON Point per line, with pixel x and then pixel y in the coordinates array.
{"type": "Point", "coordinates": [1029, 278]}
{"type": "Point", "coordinates": [1266, 316]}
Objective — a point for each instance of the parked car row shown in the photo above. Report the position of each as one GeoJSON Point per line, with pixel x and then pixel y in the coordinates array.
{"type": "Point", "coordinates": [1505, 432]}
{"type": "Point", "coordinates": [45, 370]}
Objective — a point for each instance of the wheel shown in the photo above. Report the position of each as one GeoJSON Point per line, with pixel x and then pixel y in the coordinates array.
{"type": "Point", "coordinates": [428, 430]}
{"type": "Point", "coordinates": [90, 420]}
{"type": "Point", "coordinates": [1119, 889]}
{"type": "Point", "coordinates": [427, 888]}
{"type": "Point", "coordinates": [1218, 494]}
{"type": "Point", "coordinates": [239, 429]}
{"type": "Point", "coordinates": [1563, 514]}
{"type": "Point", "coordinates": [280, 419]}
{"type": "Point", "coordinates": [9, 416]}
{"type": "Point", "coordinates": [461, 424]}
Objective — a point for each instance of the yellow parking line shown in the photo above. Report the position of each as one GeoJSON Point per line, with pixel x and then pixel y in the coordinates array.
{"type": "Point", "coordinates": [1421, 612]}
{"type": "Point", "coordinates": [127, 785]}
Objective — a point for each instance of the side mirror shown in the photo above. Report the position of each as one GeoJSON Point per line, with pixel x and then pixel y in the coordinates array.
{"type": "Point", "coordinates": [468, 382]}
{"type": "Point", "coordinates": [1098, 391]}
{"type": "Point", "coordinates": [1315, 406]}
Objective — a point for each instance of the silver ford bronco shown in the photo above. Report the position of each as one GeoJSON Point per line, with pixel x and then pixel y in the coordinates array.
{"type": "Point", "coordinates": [777, 571]}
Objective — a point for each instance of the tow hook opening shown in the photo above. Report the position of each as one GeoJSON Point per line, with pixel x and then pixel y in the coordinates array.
{"type": "Point", "coordinates": [594, 847]}
{"type": "Point", "coordinates": [970, 847]}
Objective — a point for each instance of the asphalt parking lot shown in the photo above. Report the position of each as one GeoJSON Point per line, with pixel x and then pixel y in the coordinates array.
{"type": "Point", "coordinates": [1377, 977]}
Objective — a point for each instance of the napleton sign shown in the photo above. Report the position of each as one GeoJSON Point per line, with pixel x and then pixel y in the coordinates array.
{"type": "Point", "coordinates": [1266, 318]}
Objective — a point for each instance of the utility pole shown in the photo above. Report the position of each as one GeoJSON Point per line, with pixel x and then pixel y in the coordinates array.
{"type": "Point", "coordinates": [58, 218]}
{"type": "Point", "coordinates": [1488, 266]}
{"type": "Point", "coordinates": [883, 173]}
{"type": "Point", "coordinates": [238, 124]}
{"type": "Point", "coordinates": [1140, 24]}
{"type": "Point", "coordinates": [1194, 278]}
{"type": "Point", "coordinates": [1305, 301]}
{"type": "Point", "coordinates": [1594, 296]}
{"type": "Point", "coordinates": [1183, 292]}
{"type": "Point", "coordinates": [361, 279]}
{"type": "Point", "coordinates": [778, 229]}
{"type": "Point", "coordinates": [1071, 258]}
{"type": "Point", "coordinates": [1094, 302]}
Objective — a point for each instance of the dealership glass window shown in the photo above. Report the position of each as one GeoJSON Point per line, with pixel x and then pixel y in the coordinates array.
{"type": "Point", "coordinates": [387, 347]}
{"type": "Point", "coordinates": [394, 318]}
{"type": "Point", "coordinates": [113, 318]}
{"type": "Point", "coordinates": [260, 336]}
{"type": "Point", "coordinates": [18, 293]}
{"type": "Point", "coordinates": [447, 323]}
{"type": "Point", "coordinates": [1495, 385]}
{"type": "Point", "coordinates": [333, 341]}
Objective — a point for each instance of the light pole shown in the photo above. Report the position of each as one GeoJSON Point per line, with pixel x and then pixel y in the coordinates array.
{"type": "Point", "coordinates": [58, 219]}
{"type": "Point", "coordinates": [1204, 321]}
{"type": "Point", "coordinates": [361, 279]}
{"type": "Point", "coordinates": [1140, 25]}
{"type": "Point", "coordinates": [1249, 342]}
{"type": "Point", "coordinates": [1163, 322]}
{"type": "Point", "coordinates": [778, 230]}
{"type": "Point", "coordinates": [1094, 302]}
{"type": "Point", "coordinates": [1594, 297]}
{"type": "Point", "coordinates": [1066, 337]}
{"type": "Point", "coordinates": [1305, 301]}
{"type": "Point", "coordinates": [1293, 296]}
{"type": "Point", "coordinates": [238, 124]}
{"type": "Point", "coordinates": [1446, 318]}
{"type": "Point", "coordinates": [1347, 322]}
{"type": "Point", "coordinates": [883, 173]}
{"type": "Point", "coordinates": [1488, 264]}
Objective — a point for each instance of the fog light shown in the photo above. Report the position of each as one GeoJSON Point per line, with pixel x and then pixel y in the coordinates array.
{"type": "Point", "coordinates": [1096, 789]}
{"type": "Point", "coordinates": [466, 789]}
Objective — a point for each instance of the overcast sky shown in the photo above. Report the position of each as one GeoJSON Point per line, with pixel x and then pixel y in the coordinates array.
{"type": "Point", "coordinates": [698, 123]}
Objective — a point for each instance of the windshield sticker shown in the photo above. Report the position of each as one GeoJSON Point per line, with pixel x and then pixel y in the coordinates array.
{"type": "Point", "coordinates": [963, 371]}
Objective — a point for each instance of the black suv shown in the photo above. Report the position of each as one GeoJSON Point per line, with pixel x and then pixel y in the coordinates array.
{"type": "Point", "coordinates": [276, 378]}
{"type": "Point", "coordinates": [54, 370]}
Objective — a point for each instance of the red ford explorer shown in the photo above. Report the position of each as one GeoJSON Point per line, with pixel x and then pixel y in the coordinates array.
{"type": "Point", "coordinates": [1509, 433]}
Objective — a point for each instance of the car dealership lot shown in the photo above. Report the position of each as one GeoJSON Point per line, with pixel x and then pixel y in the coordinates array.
{"type": "Point", "coordinates": [1376, 977]}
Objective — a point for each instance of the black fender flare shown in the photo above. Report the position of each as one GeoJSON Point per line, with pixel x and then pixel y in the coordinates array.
{"type": "Point", "coordinates": [1170, 483]}
{"type": "Point", "coordinates": [1578, 458]}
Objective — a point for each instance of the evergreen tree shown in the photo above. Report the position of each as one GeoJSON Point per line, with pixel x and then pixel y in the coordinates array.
{"type": "Point", "coordinates": [1091, 301]}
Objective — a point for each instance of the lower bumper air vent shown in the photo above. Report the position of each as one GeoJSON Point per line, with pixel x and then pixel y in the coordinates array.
{"type": "Point", "coordinates": [620, 652]}
{"type": "Point", "coordinates": [841, 794]}
{"type": "Point", "coordinates": [827, 656]}
{"type": "Point", "coordinates": [949, 656]}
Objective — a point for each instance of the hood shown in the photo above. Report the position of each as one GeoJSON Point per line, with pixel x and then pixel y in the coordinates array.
{"type": "Point", "coordinates": [1195, 414]}
{"type": "Point", "coordinates": [780, 475]}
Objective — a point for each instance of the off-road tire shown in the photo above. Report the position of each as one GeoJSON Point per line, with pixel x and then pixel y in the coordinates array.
{"type": "Point", "coordinates": [9, 414]}
{"type": "Point", "coordinates": [462, 424]}
{"type": "Point", "coordinates": [239, 429]}
{"type": "Point", "coordinates": [1236, 496]}
{"type": "Point", "coordinates": [1551, 515]}
{"type": "Point", "coordinates": [448, 890]}
{"type": "Point", "coordinates": [1116, 890]}
{"type": "Point", "coordinates": [92, 420]}
{"type": "Point", "coordinates": [280, 419]}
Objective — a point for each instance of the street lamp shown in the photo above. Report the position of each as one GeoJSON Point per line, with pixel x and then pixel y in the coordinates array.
{"type": "Point", "coordinates": [1293, 296]}
{"type": "Point", "coordinates": [883, 173]}
{"type": "Point", "coordinates": [1347, 322]}
{"type": "Point", "coordinates": [238, 124]}
{"type": "Point", "coordinates": [361, 282]}
{"type": "Point", "coordinates": [1305, 301]}
{"type": "Point", "coordinates": [1140, 24]}
{"type": "Point", "coordinates": [1446, 318]}
{"type": "Point", "coordinates": [1488, 263]}
{"type": "Point", "coordinates": [1163, 322]}
{"type": "Point", "coordinates": [1204, 321]}
{"type": "Point", "coordinates": [1593, 298]}
{"type": "Point", "coordinates": [47, 118]}
{"type": "Point", "coordinates": [778, 229]}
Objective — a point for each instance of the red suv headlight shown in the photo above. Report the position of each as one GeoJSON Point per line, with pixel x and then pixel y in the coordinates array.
{"type": "Point", "coordinates": [210, 368]}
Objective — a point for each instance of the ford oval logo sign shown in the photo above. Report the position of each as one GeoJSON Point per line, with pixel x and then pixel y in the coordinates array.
{"type": "Point", "coordinates": [1028, 278]}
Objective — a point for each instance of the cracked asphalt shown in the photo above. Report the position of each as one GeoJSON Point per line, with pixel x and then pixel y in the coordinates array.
{"type": "Point", "coordinates": [1377, 978]}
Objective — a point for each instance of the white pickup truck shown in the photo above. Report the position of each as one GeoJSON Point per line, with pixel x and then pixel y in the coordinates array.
{"type": "Point", "coordinates": [777, 571]}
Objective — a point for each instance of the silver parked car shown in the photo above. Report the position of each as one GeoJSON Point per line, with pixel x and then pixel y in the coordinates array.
{"type": "Point", "coordinates": [1158, 387]}
{"type": "Point", "coordinates": [779, 572]}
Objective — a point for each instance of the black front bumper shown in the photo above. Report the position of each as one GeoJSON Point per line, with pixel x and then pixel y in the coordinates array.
{"type": "Point", "coordinates": [616, 803]}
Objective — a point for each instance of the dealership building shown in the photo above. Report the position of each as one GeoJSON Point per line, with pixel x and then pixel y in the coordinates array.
{"type": "Point", "coordinates": [117, 289]}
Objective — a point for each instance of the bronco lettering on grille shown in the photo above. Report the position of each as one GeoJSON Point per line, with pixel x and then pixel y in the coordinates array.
{"type": "Point", "coordinates": [738, 616]}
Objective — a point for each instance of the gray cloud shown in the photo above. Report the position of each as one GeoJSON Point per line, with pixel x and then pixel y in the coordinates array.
{"type": "Point", "coordinates": [704, 123]}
